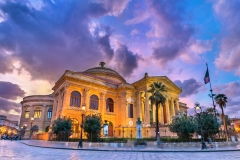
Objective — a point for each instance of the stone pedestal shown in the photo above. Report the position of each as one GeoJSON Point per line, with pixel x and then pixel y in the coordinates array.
{"type": "Point", "coordinates": [138, 129]}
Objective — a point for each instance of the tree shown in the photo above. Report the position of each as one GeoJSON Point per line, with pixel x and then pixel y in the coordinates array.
{"type": "Point", "coordinates": [210, 125]}
{"type": "Point", "coordinates": [183, 125]}
{"type": "Point", "coordinates": [157, 98]}
{"type": "Point", "coordinates": [92, 125]}
{"type": "Point", "coordinates": [62, 125]}
{"type": "Point", "coordinates": [221, 100]}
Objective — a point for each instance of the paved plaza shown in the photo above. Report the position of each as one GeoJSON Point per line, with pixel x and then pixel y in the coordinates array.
{"type": "Point", "coordinates": [15, 150]}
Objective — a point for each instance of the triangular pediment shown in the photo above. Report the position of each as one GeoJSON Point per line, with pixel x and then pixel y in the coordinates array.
{"type": "Point", "coordinates": [166, 81]}
{"type": "Point", "coordinates": [146, 81]}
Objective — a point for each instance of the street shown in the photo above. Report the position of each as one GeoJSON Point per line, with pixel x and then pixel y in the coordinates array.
{"type": "Point", "coordinates": [17, 151]}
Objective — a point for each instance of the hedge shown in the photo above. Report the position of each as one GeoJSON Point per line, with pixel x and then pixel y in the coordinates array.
{"type": "Point", "coordinates": [124, 140]}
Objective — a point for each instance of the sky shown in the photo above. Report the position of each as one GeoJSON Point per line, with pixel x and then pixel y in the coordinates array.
{"type": "Point", "coordinates": [40, 39]}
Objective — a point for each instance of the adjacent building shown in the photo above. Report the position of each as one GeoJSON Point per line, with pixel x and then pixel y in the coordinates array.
{"type": "Point", "coordinates": [36, 113]}
{"type": "Point", "coordinates": [7, 126]}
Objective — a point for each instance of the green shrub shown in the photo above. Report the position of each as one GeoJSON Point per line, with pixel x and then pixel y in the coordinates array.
{"type": "Point", "coordinates": [92, 125]}
{"type": "Point", "coordinates": [62, 127]}
{"type": "Point", "coordinates": [114, 140]}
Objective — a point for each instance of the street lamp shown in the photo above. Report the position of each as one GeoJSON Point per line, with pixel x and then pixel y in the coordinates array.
{"type": "Point", "coordinates": [31, 127]}
{"type": "Point", "coordinates": [80, 141]}
{"type": "Point", "coordinates": [198, 110]}
{"type": "Point", "coordinates": [232, 124]}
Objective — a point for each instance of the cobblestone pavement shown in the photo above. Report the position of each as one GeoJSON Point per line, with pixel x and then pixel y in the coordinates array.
{"type": "Point", "coordinates": [73, 145]}
{"type": "Point", "coordinates": [17, 151]}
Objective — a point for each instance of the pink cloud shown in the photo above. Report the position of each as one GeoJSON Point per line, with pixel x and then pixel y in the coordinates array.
{"type": "Point", "coordinates": [228, 13]}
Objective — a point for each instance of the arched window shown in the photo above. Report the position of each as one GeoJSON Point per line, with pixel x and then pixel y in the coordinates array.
{"type": "Point", "coordinates": [37, 112]}
{"type": "Point", "coordinates": [27, 113]}
{"type": "Point", "coordinates": [75, 100]}
{"type": "Point", "coordinates": [94, 102]}
{"type": "Point", "coordinates": [109, 105]}
{"type": "Point", "coordinates": [49, 113]}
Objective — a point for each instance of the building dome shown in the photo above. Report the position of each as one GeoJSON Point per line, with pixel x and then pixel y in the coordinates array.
{"type": "Point", "coordinates": [105, 73]}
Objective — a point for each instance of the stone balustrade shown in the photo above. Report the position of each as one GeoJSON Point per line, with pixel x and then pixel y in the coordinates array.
{"type": "Point", "coordinates": [149, 144]}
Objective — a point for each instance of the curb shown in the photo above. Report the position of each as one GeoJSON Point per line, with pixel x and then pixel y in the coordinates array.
{"type": "Point", "coordinates": [122, 150]}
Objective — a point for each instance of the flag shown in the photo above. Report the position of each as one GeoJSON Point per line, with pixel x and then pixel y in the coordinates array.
{"type": "Point", "coordinates": [207, 78]}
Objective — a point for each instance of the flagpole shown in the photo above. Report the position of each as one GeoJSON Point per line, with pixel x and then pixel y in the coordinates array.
{"type": "Point", "coordinates": [212, 95]}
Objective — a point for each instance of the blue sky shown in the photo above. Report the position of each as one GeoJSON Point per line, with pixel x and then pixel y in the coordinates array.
{"type": "Point", "coordinates": [39, 40]}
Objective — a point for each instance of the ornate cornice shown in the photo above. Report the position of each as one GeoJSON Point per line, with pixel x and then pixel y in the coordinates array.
{"type": "Point", "coordinates": [36, 100]}
{"type": "Point", "coordinates": [85, 80]}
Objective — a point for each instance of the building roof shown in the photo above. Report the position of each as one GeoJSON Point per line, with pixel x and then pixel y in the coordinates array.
{"type": "Point", "coordinates": [105, 73]}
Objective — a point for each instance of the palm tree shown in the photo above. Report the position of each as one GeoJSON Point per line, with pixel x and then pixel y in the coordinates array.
{"type": "Point", "coordinates": [221, 100]}
{"type": "Point", "coordinates": [157, 98]}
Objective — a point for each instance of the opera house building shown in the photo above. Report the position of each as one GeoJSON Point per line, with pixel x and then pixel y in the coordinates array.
{"type": "Point", "coordinates": [102, 91]}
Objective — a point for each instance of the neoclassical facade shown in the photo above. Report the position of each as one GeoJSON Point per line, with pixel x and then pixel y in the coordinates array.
{"type": "Point", "coordinates": [36, 113]}
{"type": "Point", "coordinates": [104, 91]}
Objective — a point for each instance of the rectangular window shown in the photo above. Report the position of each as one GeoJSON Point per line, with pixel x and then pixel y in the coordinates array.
{"type": "Point", "coordinates": [27, 113]}
{"type": "Point", "coordinates": [49, 115]}
{"type": "Point", "coordinates": [130, 110]}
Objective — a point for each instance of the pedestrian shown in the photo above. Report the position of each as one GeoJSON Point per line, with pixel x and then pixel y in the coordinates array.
{"type": "Point", "coordinates": [209, 142]}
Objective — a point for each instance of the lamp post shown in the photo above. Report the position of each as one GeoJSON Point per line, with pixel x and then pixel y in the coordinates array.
{"type": "Point", "coordinates": [198, 110]}
{"type": "Point", "coordinates": [232, 124]}
{"type": "Point", "coordinates": [80, 141]}
{"type": "Point", "coordinates": [233, 132]}
{"type": "Point", "coordinates": [31, 127]}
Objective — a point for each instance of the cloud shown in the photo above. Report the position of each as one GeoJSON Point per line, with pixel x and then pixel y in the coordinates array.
{"type": "Point", "coordinates": [189, 87]}
{"type": "Point", "coordinates": [169, 28]}
{"type": "Point", "coordinates": [232, 107]}
{"type": "Point", "coordinates": [9, 90]}
{"type": "Point", "coordinates": [6, 63]}
{"type": "Point", "coordinates": [125, 60]}
{"type": "Point", "coordinates": [55, 37]}
{"type": "Point", "coordinates": [194, 49]}
{"type": "Point", "coordinates": [134, 32]}
{"type": "Point", "coordinates": [7, 106]}
{"type": "Point", "coordinates": [104, 42]}
{"type": "Point", "coordinates": [139, 18]}
{"type": "Point", "coordinates": [114, 7]}
{"type": "Point", "coordinates": [228, 13]}
{"type": "Point", "coordinates": [231, 89]}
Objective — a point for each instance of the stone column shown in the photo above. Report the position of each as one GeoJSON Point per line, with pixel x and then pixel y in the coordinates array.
{"type": "Point", "coordinates": [172, 107]}
{"type": "Point", "coordinates": [43, 117]}
{"type": "Point", "coordinates": [160, 107]}
{"type": "Point", "coordinates": [102, 106]}
{"type": "Point", "coordinates": [123, 114]}
{"type": "Point", "coordinates": [168, 111]}
{"type": "Point", "coordinates": [140, 107]}
{"type": "Point", "coordinates": [147, 119]}
{"type": "Point", "coordinates": [65, 97]}
{"type": "Point", "coordinates": [31, 114]}
{"type": "Point", "coordinates": [22, 117]}
{"type": "Point", "coordinates": [138, 100]}
{"type": "Point", "coordinates": [177, 104]}
{"type": "Point", "coordinates": [86, 98]}
{"type": "Point", "coordinates": [61, 107]}
{"type": "Point", "coordinates": [58, 106]}
{"type": "Point", "coordinates": [54, 108]}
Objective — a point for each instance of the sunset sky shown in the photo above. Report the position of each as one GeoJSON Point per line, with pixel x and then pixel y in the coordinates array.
{"type": "Point", "coordinates": [40, 39]}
